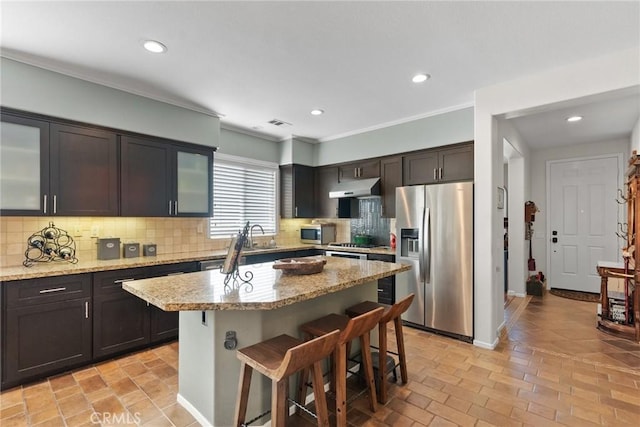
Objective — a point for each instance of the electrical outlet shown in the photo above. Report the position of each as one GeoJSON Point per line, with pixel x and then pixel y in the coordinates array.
{"type": "Point", "coordinates": [200, 229]}
{"type": "Point", "coordinates": [95, 230]}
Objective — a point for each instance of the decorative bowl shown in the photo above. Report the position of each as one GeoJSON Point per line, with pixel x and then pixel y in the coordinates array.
{"type": "Point", "coordinates": [300, 265]}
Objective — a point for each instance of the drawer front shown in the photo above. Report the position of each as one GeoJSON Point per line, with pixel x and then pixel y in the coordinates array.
{"type": "Point", "coordinates": [109, 282]}
{"type": "Point", "coordinates": [385, 290]}
{"type": "Point", "coordinates": [21, 293]}
{"type": "Point", "coordinates": [167, 269]}
{"type": "Point", "coordinates": [381, 257]}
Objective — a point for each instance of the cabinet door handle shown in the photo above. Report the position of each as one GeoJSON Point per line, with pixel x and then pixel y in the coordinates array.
{"type": "Point", "coordinates": [48, 291]}
{"type": "Point", "coordinates": [44, 203]}
{"type": "Point", "coordinates": [296, 214]}
{"type": "Point", "coordinates": [440, 173]}
{"type": "Point", "coordinates": [380, 290]}
{"type": "Point", "coordinates": [176, 274]}
{"type": "Point", "coordinates": [55, 204]}
{"type": "Point", "coordinates": [435, 174]}
{"type": "Point", "coordinates": [121, 280]}
{"type": "Point", "coordinates": [86, 309]}
{"type": "Point", "coordinates": [169, 207]}
{"type": "Point", "coordinates": [175, 207]}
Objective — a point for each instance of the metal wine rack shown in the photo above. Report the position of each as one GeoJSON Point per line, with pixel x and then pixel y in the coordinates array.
{"type": "Point", "coordinates": [50, 244]}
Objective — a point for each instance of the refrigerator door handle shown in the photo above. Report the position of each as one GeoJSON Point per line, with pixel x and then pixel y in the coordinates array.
{"type": "Point", "coordinates": [426, 247]}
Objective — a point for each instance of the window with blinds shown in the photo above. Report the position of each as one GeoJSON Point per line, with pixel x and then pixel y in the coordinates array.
{"type": "Point", "coordinates": [243, 190]}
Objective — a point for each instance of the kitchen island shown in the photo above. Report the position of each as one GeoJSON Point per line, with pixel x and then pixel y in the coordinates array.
{"type": "Point", "coordinates": [272, 303]}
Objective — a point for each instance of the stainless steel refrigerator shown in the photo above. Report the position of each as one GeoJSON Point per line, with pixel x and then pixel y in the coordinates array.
{"type": "Point", "coordinates": [434, 228]}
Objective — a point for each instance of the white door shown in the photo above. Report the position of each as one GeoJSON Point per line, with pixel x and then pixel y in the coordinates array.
{"type": "Point", "coordinates": [583, 217]}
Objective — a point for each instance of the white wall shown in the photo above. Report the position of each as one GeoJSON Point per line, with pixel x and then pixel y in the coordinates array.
{"type": "Point", "coordinates": [539, 161]}
{"type": "Point", "coordinates": [519, 189]}
{"type": "Point", "coordinates": [33, 89]}
{"type": "Point", "coordinates": [617, 71]}
{"type": "Point", "coordinates": [433, 131]}
{"type": "Point", "coordinates": [635, 137]}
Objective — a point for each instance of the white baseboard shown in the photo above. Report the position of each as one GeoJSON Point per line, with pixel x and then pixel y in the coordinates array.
{"type": "Point", "coordinates": [488, 346]}
{"type": "Point", "coordinates": [201, 419]}
{"type": "Point", "coordinates": [205, 423]}
{"type": "Point", "coordinates": [516, 294]}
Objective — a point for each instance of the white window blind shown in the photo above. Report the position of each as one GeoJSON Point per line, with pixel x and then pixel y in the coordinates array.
{"type": "Point", "coordinates": [243, 190]}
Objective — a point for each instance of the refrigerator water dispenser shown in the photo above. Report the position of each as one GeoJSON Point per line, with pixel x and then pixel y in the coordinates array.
{"type": "Point", "coordinates": [409, 242]}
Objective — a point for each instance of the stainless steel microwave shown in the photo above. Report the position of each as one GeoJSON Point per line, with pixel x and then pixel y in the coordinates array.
{"type": "Point", "coordinates": [319, 234]}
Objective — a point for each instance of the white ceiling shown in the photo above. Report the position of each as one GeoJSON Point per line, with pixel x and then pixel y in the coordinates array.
{"type": "Point", "coordinates": [252, 62]}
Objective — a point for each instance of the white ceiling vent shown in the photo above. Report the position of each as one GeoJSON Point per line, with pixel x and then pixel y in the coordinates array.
{"type": "Point", "coordinates": [277, 122]}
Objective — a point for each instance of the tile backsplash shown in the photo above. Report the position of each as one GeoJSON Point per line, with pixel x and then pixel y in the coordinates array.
{"type": "Point", "coordinates": [171, 235]}
{"type": "Point", "coordinates": [371, 221]}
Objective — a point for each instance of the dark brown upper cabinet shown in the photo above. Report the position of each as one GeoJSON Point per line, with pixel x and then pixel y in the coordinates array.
{"type": "Point", "coordinates": [326, 178]}
{"type": "Point", "coordinates": [359, 170]}
{"type": "Point", "coordinates": [56, 169]}
{"type": "Point", "coordinates": [84, 171]}
{"type": "Point", "coordinates": [390, 179]}
{"type": "Point", "coordinates": [296, 191]}
{"type": "Point", "coordinates": [162, 179]}
{"type": "Point", "coordinates": [439, 165]}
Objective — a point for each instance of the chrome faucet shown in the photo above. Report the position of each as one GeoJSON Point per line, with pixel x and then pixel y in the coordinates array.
{"type": "Point", "coordinates": [251, 234]}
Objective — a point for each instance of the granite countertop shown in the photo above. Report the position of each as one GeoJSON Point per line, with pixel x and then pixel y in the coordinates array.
{"type": "Point", "coordinates": [63, 268]}
{"type": "Point", "coordinates": [269, 289]}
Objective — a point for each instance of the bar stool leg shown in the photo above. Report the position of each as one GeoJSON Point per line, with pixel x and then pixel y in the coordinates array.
{"type": "Point", "coordinates": [401, 353]}
{"type": "Point", "coordinates": [279, 402]}
{"type": "Point", "coordinates": [243, 394]}
{"type": "Point", "coordinates": [340, 381]}
{"type": "Point", "coordinates": [302, 387]}
{"type": "Point", "coordinates": [365, 343]}
{"type": "Point", "coordinates": [320, 398]}
{"type": "Point", "coordinates": [382, 362]}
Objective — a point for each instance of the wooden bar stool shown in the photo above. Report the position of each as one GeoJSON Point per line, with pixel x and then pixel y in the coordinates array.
{"type": "Point", "coordinates": [278, 358]}
{"type": "Point", "coordinates": [350, 329]}
{"type": "Point", "coordinates": [391, 313]}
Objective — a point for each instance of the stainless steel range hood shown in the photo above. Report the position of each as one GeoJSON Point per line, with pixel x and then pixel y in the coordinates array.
{"type": "Point", "coordinates": [359, 188]}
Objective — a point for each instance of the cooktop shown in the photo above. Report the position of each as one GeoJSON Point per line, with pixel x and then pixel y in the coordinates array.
{"type": "Point", "coordinates": [352, 245]}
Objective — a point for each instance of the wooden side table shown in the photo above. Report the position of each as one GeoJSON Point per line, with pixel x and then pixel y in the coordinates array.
{"type": "Point", "coordinates": [630, 331]}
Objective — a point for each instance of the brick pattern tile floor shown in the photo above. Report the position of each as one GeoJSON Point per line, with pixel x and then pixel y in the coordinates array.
{"type": "Point", "coordinates": [551, 367]}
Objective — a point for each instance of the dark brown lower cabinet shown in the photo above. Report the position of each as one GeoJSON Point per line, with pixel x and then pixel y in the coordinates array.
{"type": "Point", "coordinates": [46, 327]}
{"type": "Point", "coordinates": [164, 324]}
{"type": "Point", "coordinates": [123, 321]}
{"type": "Point", "coordinates": [53, 324]}
{"type": "Point", "coordinates": [387, 285]}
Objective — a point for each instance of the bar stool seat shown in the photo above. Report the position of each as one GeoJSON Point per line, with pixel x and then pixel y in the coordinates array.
{"type": "Point", "coordinates": [391, 313]}
{"type": "Point", "coordinates": [278, 358]}
{"type": "Point", "coordinates": [350, 329]}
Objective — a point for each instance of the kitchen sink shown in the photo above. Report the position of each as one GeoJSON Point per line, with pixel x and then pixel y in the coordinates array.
{"type": "Point", "coordinates": [260, 248]}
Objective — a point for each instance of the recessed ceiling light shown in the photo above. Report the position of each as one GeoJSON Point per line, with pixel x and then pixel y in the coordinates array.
{"type": "Point", "coordinates": [154, 46]}
{"type": "Point", "coordinates": [574, 118]}
{"type": "Point", "coordinates": [317, 112]}
{"type": "Point", "coordinates": [419, 78]}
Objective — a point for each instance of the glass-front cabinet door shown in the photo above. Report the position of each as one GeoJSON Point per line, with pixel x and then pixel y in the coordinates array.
{"type": "Point", "coordinates": [24, 165]}
{"type": "Point", "coordinates": [194, 182]}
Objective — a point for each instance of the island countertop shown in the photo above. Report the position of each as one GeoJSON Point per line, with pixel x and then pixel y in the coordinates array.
{"type": "Point", "coordinates": [269, 289]}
